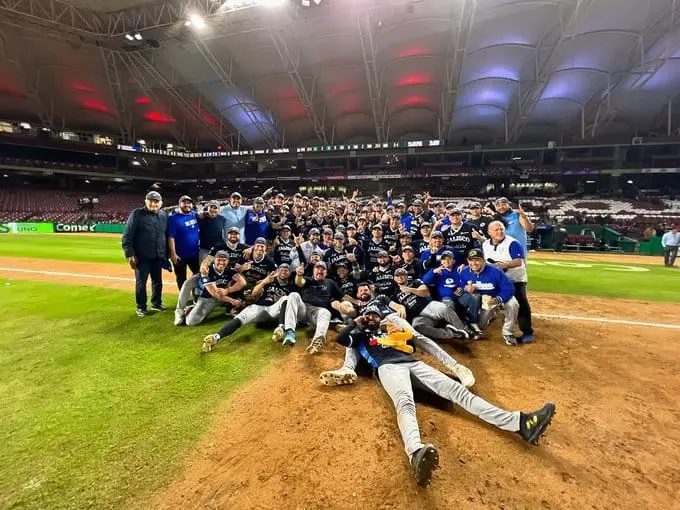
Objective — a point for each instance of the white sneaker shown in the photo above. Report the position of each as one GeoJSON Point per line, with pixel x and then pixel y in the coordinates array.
{"type": "Point", "coordinates": [342, 376]}
{"type": "Point", "coordinates": [464, 374]}
{"type": "Point", "coordinates": [277, 336]}
{"type": "Point", "coordinates": [179, 317]}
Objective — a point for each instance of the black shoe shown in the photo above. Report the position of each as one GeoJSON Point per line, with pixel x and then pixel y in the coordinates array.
{"type": "Point", "coordinates": [423, 463]}
{"type": "Point", "coordinates": [159, 308]}
{"type": "Point", "coordinates": [532, 425]}
{"type": "Point", "coordinates": [141, 312]}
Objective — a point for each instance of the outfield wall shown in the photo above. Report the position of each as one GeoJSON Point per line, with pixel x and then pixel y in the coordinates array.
{"type": "Point", "coordinates": [61, 228]}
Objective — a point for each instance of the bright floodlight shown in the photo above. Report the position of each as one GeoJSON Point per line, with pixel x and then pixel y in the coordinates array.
{"type": "Point", "coordinates": [138, 36]}
{"type": "Point", "coordinates": [197, 21]}
{"type": "Point", "coordinates": [129, 37]}
{"type": "Point", "coordinates": [25, 125]}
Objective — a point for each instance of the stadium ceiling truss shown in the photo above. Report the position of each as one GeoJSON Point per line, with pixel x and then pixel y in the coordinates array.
{"type": "Point", "coordinates": [470, 71]}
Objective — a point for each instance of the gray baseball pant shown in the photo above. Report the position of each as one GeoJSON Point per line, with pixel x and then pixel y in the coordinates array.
{"type": "Point", "coordinates": [259, 313]}
{"type": "Point", "coordinates": [201, 310]}
{"type": "Point", "coordinates": [187, 291]}
{"type": "Point", "coordinates": [432, 314]}
{"type": "Point", "coordinates": [398, 380]}
{"type": "Point", "coordinates": [510, 309]}
{"type": "Point", "coordinates": [298, 310]}
{"type": "Point", "coordinates": [419, 340]}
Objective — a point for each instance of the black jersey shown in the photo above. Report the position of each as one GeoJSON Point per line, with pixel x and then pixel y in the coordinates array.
{"type": "Point", "coordinates": [381, 301]}
{"type": "Point", "coordinates": [274, 291]}
{"type": "Point", "coordinates": [480, 224]}
{"type": "Point", "coordinates": [372, 249]}
{"type": "Point", "coordinates": [259, 270]}
{"type": "Point", "coordinates": [283, 251]}
{"type": "Point", "coordinates": [391, 237]}
{"type": "Point", "coordinates": [414, 304]}
{"type": "Point", "coordinates": [460, 239]}
{"type": "Point", "coordinates": [414, 268]}
{"type": "Point", "coordinates": [320, 293]}
{"type": "Point", "coordinates": [348, 286]}
{"type": "Point", "coordinates": [334, 258]}
{"type": "Point", "coordinates": [382, 280]}
{"type": "Point", "coordinates": [235, 253]}
{"type": "Point", "coordinates": [221, 280]}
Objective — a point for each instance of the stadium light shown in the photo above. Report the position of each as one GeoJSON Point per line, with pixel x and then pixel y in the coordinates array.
{"type": "Point", "coordinates": [129, 37]}
{"type": "Point", "coordinates": [138, 36]}
{"type": "Point", "coordinates": [629, 181]}
{"type": "Point", "coordinates": [196, 21]}
{"type": "Point", "coordinates": [141, 142]}
{"type": "Point", "coordinates": [25, 125]}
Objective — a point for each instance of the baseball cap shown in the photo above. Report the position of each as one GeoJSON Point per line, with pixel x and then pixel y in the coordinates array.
{"type": "Point", "coordinates": [408, 248]}
{"type": "Point", "coordinates": [475, 254]}
{"type": "Point", "coordinates": [417, 201]}
{"type": "Point", "coordinates": [382, 253]}
{"type": "Point", "coordinates": [405, 234]}
{"type": "Point", "coordinates": [234, 229]}
{"type": "Point", "coordinates": [437, 234]}
{"type": "Point", "coordinates": [186, 198]}
{"type": "Point", "coordinates": [502, 199]}
{"type": "Point", "coordinates": [450, 205]}
{"type": "Point", "coordinates": [285, 227]}
{"type": "Point", "coordinates": [284, 266]}
{"type": "Point", "coordinates": [426, 224]}
{"type": "Point", "coordinates": [372, 309]}
{"type": "Point", "coordinates": [153, 195]}
{"type": "Point", "coordinates": [258, 200]}
{"type": "Point", "coordinates": [455, 210]}
{"type": "Point", "coordinates": [321, 263]}
{"type": "Point", "coordinates": [400, 271]}
{"type": "Point", "coordinates": [351, 226]}
{"type": "Point", "coordinates": [339, 235]}
{"type": "Point", "coordinates": [351, 212]}
{"type": "Point", "coordinates": [401, 205]}
{"type": "Point", "coordinates": [327, 231]}
{"type": "Point", "coordinates": [447, 253]}
{"type": "Point", "coordinates": [376, 226]}
{"type": "Point", "coordinates": [280, 195]}
{"type": "Point", "coordinates": [214, 203]}
{"type": "Point", "coordinates": [313, 231]}
{"type": "Point", "coordinates": [475, 205]}
{"type": "Point", "coordinates": [297, 195]}
{"type": "Point", "coordinates": [236, 194]}
{"type": "Point", "coordinates": [221, 255]}
{"type": "Point", "coordinates": [260, 240]}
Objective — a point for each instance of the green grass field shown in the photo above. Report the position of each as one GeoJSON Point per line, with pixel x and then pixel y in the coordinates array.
{"type": "Point", "coordinates": [100, 407]}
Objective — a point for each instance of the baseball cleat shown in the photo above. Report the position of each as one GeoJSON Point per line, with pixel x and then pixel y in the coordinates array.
{"type": "Point", "coordinates": [141, 312]}
{"type": "Point", "coordinates": [340, 377]}
{"type": "Point", "coordinates": [526, 339]}
{"type": "Point", "coordinates": [464, 375]}
{"type": "Point", "coordinates": [316, 345]}
{"type": "Point", "coordinates": [179, 317]}
{"type": "Point", "coordinates": [475, 327]}
{"type": "Point", "coordinates": [423, 463]}
{"type": "Point", "coordinates": [159, 308]}
{"type": "Point", "coordinates": [532, 425]}
{"type": "Point", "coordinates": [511, 340]}
{"type": "Point", "coordinates": [277, 336]}
{"type": "Point", "coordinates": [289, 338]}
{"type": "Point", "coordinates": [457, 333]}
{"type": "Point", "coordinates": [209, 342]}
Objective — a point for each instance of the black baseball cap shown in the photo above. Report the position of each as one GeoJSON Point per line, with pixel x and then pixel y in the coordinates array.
{"type": "Point", "coordinates": [321, 263]}
{"type": "Point", "coordinates": [372, 309]}
{"type": "Point", "coordinates": [408, 248]}
{"type": "Point", "coordinates": [153, 195]}
{"type": "Point", "coordinates": [339, 235]}
{"type": "Point", "coordinates": [260, 240]}
{"type": "Point", "coordinates": [447, 253]}
{"type": "Point", "coordinates": [221, 255]}
{"type": "Point", "coordinates": [186, 198]}
{"type": "Point", "coordinates": [214, 203]}
{"type": "Point", "coordinates": [382, 253]}
{"type": "Point", "coordinates": [475, 205]}
{"type": "Point", "coordinates": [437, 234]}
{"type": "Point", "coordinates": [400, 271]}
{"type": "Point", "coordinates": [258, 200]}
{"type": "Point", "coordinates": [285, 227]}
{"type": "Point", "coordinates": [314, 231]}
{"type": "Point", "coordinates": [475, 254]}
{"type": "Point", "coordinates": [284, 266]}
{"type": "Point", "coordinates": [377, 226]}
{"type": "Point", "coordinates": [234, 229]}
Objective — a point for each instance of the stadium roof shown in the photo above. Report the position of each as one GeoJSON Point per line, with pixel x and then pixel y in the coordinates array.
{"type": "Point", "coordinates": [272, 74]}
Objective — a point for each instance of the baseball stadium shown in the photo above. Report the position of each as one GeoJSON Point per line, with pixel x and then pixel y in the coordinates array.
{"type": "Point", "coordinates": [272, 254]}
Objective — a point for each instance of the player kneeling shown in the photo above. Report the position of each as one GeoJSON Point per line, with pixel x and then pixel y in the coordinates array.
{"type": "Point", "coordinates": [390, 356]}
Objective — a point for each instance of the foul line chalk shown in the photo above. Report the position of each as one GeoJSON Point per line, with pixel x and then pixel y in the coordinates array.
{"type": "Point", "coordinates": [73, 275]}
{"type": "Point", "coordinates": [540, 315]}
{"type": "Point", "coordinates": [604, 320]}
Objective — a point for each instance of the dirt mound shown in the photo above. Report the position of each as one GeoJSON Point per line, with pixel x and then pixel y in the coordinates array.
{"type": "Point", "coordinates": [285, 441]}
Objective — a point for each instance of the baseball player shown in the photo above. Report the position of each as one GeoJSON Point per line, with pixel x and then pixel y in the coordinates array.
{"type": "Point", "coordinates": [398, 371]}
{"type": "Point", "coordinates": [270, 294]}
{"type": "Point", "coordinates": [216, 286]}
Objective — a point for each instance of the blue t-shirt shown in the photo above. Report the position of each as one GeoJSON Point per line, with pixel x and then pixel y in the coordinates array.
{"type": "Point", "coordinates": [183, 228]}
{"type": "Point", "coordinates": [515, 229]}
{"type": "Point", "coordinates": [256, 226]}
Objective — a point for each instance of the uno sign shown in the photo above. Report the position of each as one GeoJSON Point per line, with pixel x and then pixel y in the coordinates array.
{"type": "Point", "coordinates": [74, 227]}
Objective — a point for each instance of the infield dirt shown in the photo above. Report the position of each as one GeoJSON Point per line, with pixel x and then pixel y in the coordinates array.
{"type": "Point", "coordinates": [285, 441]}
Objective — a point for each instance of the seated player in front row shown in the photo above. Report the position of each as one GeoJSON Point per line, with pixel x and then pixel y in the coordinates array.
{"type": "Point", "coordinates": [389, 354]}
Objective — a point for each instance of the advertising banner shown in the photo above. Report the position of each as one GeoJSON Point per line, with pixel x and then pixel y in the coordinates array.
{"type": "Point", "coordinates": [75, 227]}
{"type": "Point", "coordinates": [26, 228]}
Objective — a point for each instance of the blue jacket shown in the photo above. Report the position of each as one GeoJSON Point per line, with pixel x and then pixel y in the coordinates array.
{"type": "Point", "coordinates": [491, 281]}
{"type": "Point", "coordinates": [445, 282]}
{"type": "Point", "coordinates": [430, 260]}
{"type": "Point", "coordinates": [256, 226]}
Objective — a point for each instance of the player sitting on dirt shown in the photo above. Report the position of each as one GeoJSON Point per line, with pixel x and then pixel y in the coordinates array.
{"type": "Point", "coordinates": [389, 354]}
{"type": "Point", "coordinates": [217, 287]}
{"type": "Point", "coordinates": [270, 295]}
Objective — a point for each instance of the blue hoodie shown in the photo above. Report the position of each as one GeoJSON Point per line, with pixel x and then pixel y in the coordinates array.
{"type": "Point", "coordinates": [491, 281]}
